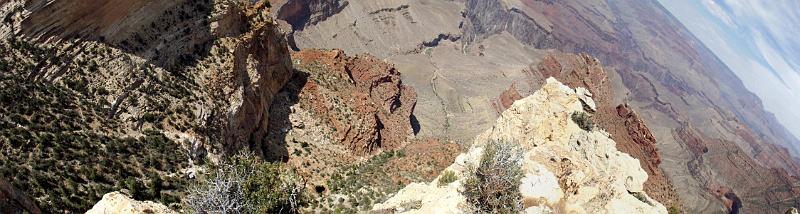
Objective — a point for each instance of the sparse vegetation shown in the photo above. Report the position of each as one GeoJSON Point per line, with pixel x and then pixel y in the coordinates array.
{"type": "Point", "coordinates": [641, 197]}
{"type": "Point", "coordinates": [494, 186]}
{"type": "Point", "coordinates": [447, 178]}
{"type": "Point", "coordinates": [673, 210]}
{"type": "Point", "coordinates": [59, 144]}
{"type": "Point", "coordinates": [583, 120]}
{"type": "Point", "coordinates": [246, 184]}
{"type": "Point", "coordinates": [364, 184]}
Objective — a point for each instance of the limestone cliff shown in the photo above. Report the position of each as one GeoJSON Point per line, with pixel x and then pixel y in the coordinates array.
{"type": "Point", "coordinates": [566, 169]}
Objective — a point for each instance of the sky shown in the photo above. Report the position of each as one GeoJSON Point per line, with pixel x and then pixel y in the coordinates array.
{"type": "Point", "coordinates": [759, 40]}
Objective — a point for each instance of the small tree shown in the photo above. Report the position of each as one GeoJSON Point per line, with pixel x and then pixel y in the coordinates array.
{"type": "Point", "coordinates": [494, 187]}
{"type": "Point", "coordinates": [246, 184]}
{"type": "Point", "coordinates": [220, 192]}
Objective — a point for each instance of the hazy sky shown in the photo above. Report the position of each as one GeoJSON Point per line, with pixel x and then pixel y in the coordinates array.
{"type": "Point", "coordinates": [759, 40]}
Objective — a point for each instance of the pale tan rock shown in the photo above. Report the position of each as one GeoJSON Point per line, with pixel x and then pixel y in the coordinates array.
{"type": "Point", "coordinates": [116, 202]}
{"type": "Point", "coordinates": [566, 169]}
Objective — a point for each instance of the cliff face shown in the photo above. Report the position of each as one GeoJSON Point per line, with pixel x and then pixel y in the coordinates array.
{"type": "Point", "coordinates": [167, 33]}
{"type": "Point", "coordinates": [260, 66]}
{"type": "Point", "coordinates": [119, 84]}
{"type": "Point", "coordinates": [566, 169]}
{"type": "Point", "coordinates": [338, 109]}
{"type": "Point", "coordinates": [488, 17]}
{"type": "Point", "coordinates": [300, 13]}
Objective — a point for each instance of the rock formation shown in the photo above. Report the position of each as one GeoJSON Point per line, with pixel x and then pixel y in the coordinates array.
{"type": "Point", "coordinates": [300, 13]}
{"type": "Point", "coordinates": [488, 17]}
{"type": "Point", "coordinates": [361, 98]}
{"type": "Point", "coordinates": [627, 128]}
{"type": "Point", "coordinates": [252, 60]}
{"type": "Point", "coordinates": [116, 202]}
{"type": "Point", "coordinates": [260, 67]}
{"type": "Point", "coordinates": [566, 169]}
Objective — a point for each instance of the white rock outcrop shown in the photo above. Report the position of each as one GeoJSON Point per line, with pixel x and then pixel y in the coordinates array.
{"type": "Point", "coordinates": [567, 169]}
{"type": "Point", "coordinates": [116, 202]}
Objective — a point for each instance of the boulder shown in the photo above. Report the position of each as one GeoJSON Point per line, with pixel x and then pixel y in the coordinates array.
{"type": "Point", "coordinates": [116, 202]}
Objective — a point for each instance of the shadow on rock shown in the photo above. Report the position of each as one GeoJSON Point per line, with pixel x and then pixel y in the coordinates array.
{"type": "Point", "coordinates": [275, 148]}
{"type": "Point", "coordinates": [170, 34]}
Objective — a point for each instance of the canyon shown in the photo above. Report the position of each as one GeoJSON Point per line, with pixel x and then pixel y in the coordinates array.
{"type": "Point", "coordinates": [121, 104]}
{"type": "Point", "coordinates": [465, 68]}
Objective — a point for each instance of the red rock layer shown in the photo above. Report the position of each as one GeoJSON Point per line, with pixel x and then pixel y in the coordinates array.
{"type": "Point", "coordinates": [506, 99]}
{"type": "Point", "coordinates": [361, 97]}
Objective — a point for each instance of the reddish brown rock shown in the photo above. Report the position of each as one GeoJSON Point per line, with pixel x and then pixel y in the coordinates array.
{"type": "Point", "coordinates": [639, 133]}
{"type": "Point", "coordinates": [424, 159]}
{"type": "Point", "coordinates": [361, 97]}
{"type": "Point", "coordinates": [693, 140]}
{"type": "Point", "coordinates": [506, 99]}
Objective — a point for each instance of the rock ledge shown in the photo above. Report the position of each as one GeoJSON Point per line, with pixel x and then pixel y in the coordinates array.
{"type": "Point", "coordinates": [566, 168]}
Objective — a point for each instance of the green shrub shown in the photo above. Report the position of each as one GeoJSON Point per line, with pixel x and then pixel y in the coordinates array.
{"type": "Point", "coordinates": [673, 210]}
{"type": "Point", "coordinates": [447, 178]}
{"type": "Point", "coordinates": [494, 186]}
{"type": "Point", "coordinates": [583, 120]}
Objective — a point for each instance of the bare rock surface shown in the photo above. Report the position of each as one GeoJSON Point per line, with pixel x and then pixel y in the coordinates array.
{"type": "Point", "coordinates": [116, 202]}
{"type": "Point", "coordinates": [627, 128]}
{"type": "Point", "coordinates": [566, 169]}
{"type": "Point", "coordinates": [361, 98]}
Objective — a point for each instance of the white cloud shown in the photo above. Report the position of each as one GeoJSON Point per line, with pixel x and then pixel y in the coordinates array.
{"type": "Point", "coordinates": [720, 13]}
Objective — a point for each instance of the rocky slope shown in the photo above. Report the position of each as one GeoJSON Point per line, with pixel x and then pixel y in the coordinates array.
{"type": "Point", "coordinates": [346, 123]}
{"type": "Point", "coordinates": [133, 95]}
{"type": "Point", "coordinates": [360, 98]}
{"type": "Point", "coordinates": [141, 95]}
{"type": "Point", "coordinates": [629, 131]}
{"type": "Point", "coordinates": [566, 169]}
